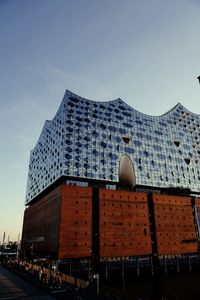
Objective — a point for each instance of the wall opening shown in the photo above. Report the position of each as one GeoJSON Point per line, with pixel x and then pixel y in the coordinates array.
{"type": "Point", "coordinates": [126, 172]}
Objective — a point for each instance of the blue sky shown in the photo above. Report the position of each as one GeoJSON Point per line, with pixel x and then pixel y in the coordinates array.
{"type": "Point", "coordinates": [146, 52]}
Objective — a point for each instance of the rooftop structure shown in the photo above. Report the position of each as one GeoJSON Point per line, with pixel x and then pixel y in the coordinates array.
{"type": "Point", "coordinates": [92, 141]}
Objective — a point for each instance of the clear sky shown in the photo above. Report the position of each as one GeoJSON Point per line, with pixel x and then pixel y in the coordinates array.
{"type": "Point", "coordinates": [146, 52]}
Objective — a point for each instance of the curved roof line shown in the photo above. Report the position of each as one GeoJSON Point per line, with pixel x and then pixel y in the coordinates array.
{"type": "Point", "coordinates": [119, 99]}
{"type": "Point", "coordinates": [68, 92]}
{"type": "Point", "coordinates": [179, 104]}
{"type": "Point", "coordinates": [97, 101]}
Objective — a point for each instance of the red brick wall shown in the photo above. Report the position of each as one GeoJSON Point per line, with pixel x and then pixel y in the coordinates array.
{"type": "Point", "coordinates": [75, 238]}
{"type": "Point", "coordinates": [175, 229]}
{"type": "Point", "coordinates": [41, 224]}
{"type": "Point", "coordinates": [197, 202]}
{"type": "Point", "coordinates": [124, 223]}
{"type": "Point", "coordinates": [61, 223]}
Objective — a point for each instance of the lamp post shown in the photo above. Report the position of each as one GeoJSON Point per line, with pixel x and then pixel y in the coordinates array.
{"type": "Point", "coordinates": [18, 246]}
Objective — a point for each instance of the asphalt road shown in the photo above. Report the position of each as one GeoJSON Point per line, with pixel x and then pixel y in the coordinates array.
{"type": "Point", "coordinates": [13, 287]}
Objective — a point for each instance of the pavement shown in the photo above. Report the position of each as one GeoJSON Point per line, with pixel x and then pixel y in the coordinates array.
{"type": "Point", "coordinates": [13, 287]}
{"type": "Point", "coordinates": [17, 283]}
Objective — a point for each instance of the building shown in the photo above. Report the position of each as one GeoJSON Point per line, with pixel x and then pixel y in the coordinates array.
{"type": "Point", "coordinates": [87, 139]}
{"type": "Point", "coordinates": [107, 181]}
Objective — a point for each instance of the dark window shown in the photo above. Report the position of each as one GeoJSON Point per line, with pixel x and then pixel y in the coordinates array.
{"type": "Point", "coordinates": [86, 166]}
{"type": "Point", "coordinates": [138, 122]}
{"type": "Point", "coordinates": [79, 119]}
{"type": "Point", "coordinates": [95, 152]}
{"type": "Point", "coordinates": [69, 122]}
{"type": "Point", "coordinates": [162, 124]}
{"type": "Point", "coordinates": [75, 100]}
{"type": "Point", "coordinates": [78, 144]}
{"type": "Point", "coordinates": [117, 139]}
{"type": "Point", "coordinates": [127, 125]}
{"type": "Point", "coordinates": [127, 114]}
{"type": "Point", "coordinates": [176, 143]}
{"type": "Point", "coordinates": [122, 131]}
{"type": "Point", "coordinates": [87, 120]}
{"type": "Point", "coordinates": [77, 150]}
{"type": "Point", "coordinates": [121, 107]}
{"type": "Point", "coordinates": [87, 139]}
{"type": "Point", "coordinates": [68, 149]}
{"type": "Point", "coordinates": [113, 156]}
{"type": "Point", "coordinates": [103, 126]}
{"type": "Point", "coordinates": [126, 139]}
{"type": "Point", "coordinates": [103, 144]}
{"type": "Point", "coordinates": [77, 165]}
{"type": "Point", "coordinates": [187, 160]}
{"type": "Point", "coordinates": [112, 128]}
{"type": "Point", "coordinates": [158, 132]}
{"type": "Point", "coordinates": [119, 117]}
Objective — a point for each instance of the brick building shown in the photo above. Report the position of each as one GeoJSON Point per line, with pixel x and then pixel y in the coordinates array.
{"type": "Point", "coordinates": [106, 181]}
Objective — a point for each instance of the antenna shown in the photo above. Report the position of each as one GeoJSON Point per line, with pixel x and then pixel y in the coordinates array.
{"type": "Point", "coordinates": [4, 236]}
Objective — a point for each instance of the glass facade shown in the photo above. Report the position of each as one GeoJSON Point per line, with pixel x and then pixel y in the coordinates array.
{"type": "Point", "coordinates": [86, 139]}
